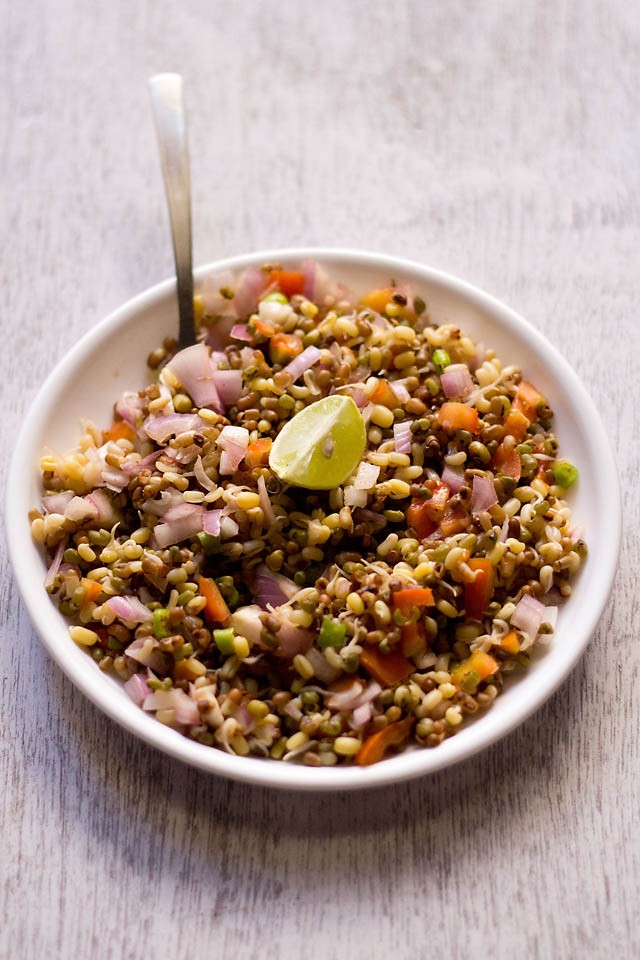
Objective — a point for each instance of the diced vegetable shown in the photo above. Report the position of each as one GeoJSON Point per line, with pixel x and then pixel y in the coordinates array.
{"type": "Point", "coordinates": [441, 360]}
{"type": "Point", "coordinates": [478, 592]}
{"type": "Point", "coordinates": [387, 668]}
{"type": "Point", "coordinates": [332, 634]}
{"type": "Point", "coordinates": [516, 425]}
{"type": "Point", "coordinates": [216, 610]}
{"type": "Point", "coordinates": [419, 519]}
{"type": "Point", "coordinates": [284, 347]}
{"type": "Point", "coordinates": [506, 460]}
{"type": "Point", "coordinates": [160, 623]}
{"type": "Point", "coordinates": [510, 643]}
{"type": "Point", "coordinates": [409, 598]}
{"type": "Point", "coordinates": [453, 416]}
{"type": "Point", "coordinates": [257, 454]}
{"type": "Point", "coordinates": [120, 430]}
{"type": "Point", "coordinates": [481, 664]}
{"type": "Point", "coordinates": [92, 589]}
{"type": "Point", "coordinates": [384, 395]}
{"type": "Point", "coordinates": [565, 473]}
{"type": "Point", "coordinates": [437, 504]}
{"type": "Point", "coordinates": [224, 641]}
{"type": "Point", "coordinates": [374, 747]}
{"type": "Point", "coordinates": [289, 282]}
{"type": "Point", "coordinates": [528, 399]}
{"type": "Point", "coordinates": [413, 639]}
{"type": "Point", "coordinates": [378, 299]}
{"type": "Point", "coordinates": [455, 519]}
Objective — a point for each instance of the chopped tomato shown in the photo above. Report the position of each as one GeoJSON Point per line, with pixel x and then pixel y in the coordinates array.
{"type": "Point", "coordinates": [92, 589]}
{"type": "Point", "coordinates": [284, 347]}
{"type": "Point", "coordinates": [507, 462]}
{"type": "Point", "coordinates": [436, 506]}
{"type": "Point", "coordinates": [288, 282]}
{"type": "Point", "coordinates": [414, 640]}
{"type": "Point", "coordinates": [419, 519]}
{"type": "Point", "coordinates": [257, 454]}
{"type": "Point", "coordinates": [455, 520]}
{"type": "Point", "coordinates": [216, 610]}
{"type": "Point", "coordinates": [374, 747]}
{"type": "Point", "coordinates": [387, 668]}
{"type": "Point", "coordinates": [378, 299]}
{"type": "Point", "coordinates": [479, 663]}
{"type": "Point", "coordinates": [385, 395]}
{"type": "Point", "coordinates": [528, 399]}
{"type": "Point", "coordinates": [510, 643]}
{"type": "Point", "coordinates": [478, 592]}
{"type": "Point", "coordinates": [516, 425]}
{"type": "Point", "coordinates": [120, 430]}
{"type": "Point", "coordinates": [409, 598]}
{"type": "Point", "coordinates": [454, 416]}
{"type": "Point", "coordinates": [265, 329]}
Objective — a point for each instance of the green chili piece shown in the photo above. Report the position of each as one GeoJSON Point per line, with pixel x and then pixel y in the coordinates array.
{"type": "Point", "coordinates": [332, 634]}
{"type": "Point", "coordinates": [275, 298]}
{"type": "Point", "coordinates": [160, 623]}
{"type": "Point", "coordinates": [565, 473]}
{"type": "Point", "coordinates": [224, 640]}
{"type": "Point", "coordinates": [441, 360]}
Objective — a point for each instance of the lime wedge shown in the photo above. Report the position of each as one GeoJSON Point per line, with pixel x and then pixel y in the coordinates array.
{"type": "Point", "coordinates": [321, 446]}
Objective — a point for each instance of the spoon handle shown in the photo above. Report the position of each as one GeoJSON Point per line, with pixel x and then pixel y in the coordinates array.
{"type": "Point", "coordinates": [169, 115]}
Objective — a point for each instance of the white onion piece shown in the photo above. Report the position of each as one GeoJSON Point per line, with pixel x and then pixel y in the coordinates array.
{"type": "Point", "coordinates": [361, 715]}
{"type": "Point", "coordinates": [372, 690]}
{"type": "Point", "coordinates": [483, 494]}
{"type": "Point", "coordinates": [230, 459]}
{"type": "Point", "coordinates": [214, 302]}
{"type": "Point", "coordinates": [78, 510]}
{"type": "Point", "coordinates": [143, 650]}
{"type": "Point", "coordinates": [129, 407]}
{"type": "Point", "coordinates": [354, 497]}
{"type": "Point", "coordinates": [250, 285]}
{"type": "Point", "coordinates": [229, 385]}
{"type": "Point", "coordinates": [366, 476]}
{"type": "Point", "coordinates": [186, 709]}
{"type": "Point", "coordinates": [172, 424]}
{"type": "Point", "coordinates": [453, 477]}
{"type": "Point", "coordinates": [56, 502]}
{"type": "Point", "coordinates": [265, 502]}
{"type": "Point", "coordinates": [194, 369]}
{"type": "Point", "coordinates": [129, 608]}
{"type": "Point", "coordinates": [550, 616]}
{"type": "Point", "coordinates": [133, 467]}
{"type": "Point", "coordinates": [321, 667]}
{"type": "Point", "coordinates": [401, 391]}
{"type": "Point", "coordinates": [239, 436]}
{"type": "Point", "coordinates": [247, 623]}
{"type": "Point", "coordinates": [138, 688]}
{"type": "Point", "coordinates": [240, 331]}
{"type": "Point", "coordinates": [292, 640]}
{"type": "Point", "coordinates": [528, 615]}
{"type": "Point", "coordinates": [175, 531]}
{"type": "Point", "coordinates": [202, 476]}
{"type": "Point", "coordinates": [55, 564]}
{"type": "Point", "coordinates": [211, 522]}
{"type": "Point", "coordinates": [168, 499]}
{"type": "Point", "coordinates": [228, 527]}
{"type": "Point", "coordinates": [180, 510]}
{"type": "Point", "coordinates": [345, 699]}
{"type": "Point", "coordinates": [304, 361]}
{"type": "Point", "coordinates": [402, 436]}
{"type": "Point", "coordinates": [456, 381]}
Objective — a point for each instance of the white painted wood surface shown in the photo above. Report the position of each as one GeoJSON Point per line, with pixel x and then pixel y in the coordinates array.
{"type": "Point", "coordinates": [499, 141]}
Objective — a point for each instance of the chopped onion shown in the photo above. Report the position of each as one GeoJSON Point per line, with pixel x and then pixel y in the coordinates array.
{"type": "Point", "coordinates": [354, 497]}
{"type": "Point", "coordinates": [402, 436]}
{"type": "Point", "coordinates": [129, 407]}
{"type": "Point", "coordinates": [54, 566]}
{"type": "Point", "coordinates": [228, 527]}
{"type": "Point", "coordinates": [247, 355]}
{"type": "Point", "coordinates": [456, 381]}
{"type": "Point", "coordinates": [273, 589]}
{"type": "Point", "coordinates": [345, 700]}
{"type": "Point", "coordinates": [168, 499]}
{"type": "Point", "coordinates": [250, 285]}
{"type": "Point", "coordinates": [292, 640]}
{"type": "Point", "coordinates": [400, 390]}
{"type": "Point", "coordinates": [528, 615]}
{"type": "Point", "coordinates": [194, 369]}
{"type": "Point", "coordinates": [172, 424]}
{"type": "Point", "coordinates": [78, 510]}
{"type": "Point", "coordinates": [202, 476]}
{"type": "Point", "coordinates": [453, 477]}
{"type": "Point", "coordinates": [129, 608]}
{"type": "Point", "coordinates": [372, 690]}
{"type": "Point", "coordinates": [304, 361]}
{"type": "Point", "coordinates": [211, 522]}
{"type": "Point", "coordinates": [57, 502]}
{"type": "Point", "coordinates": [229, 385]}
{"type": "Point", "coordinates": [504, 530]}
{"type": "Point", "coordinates": [133, 467]}
{"type": "Point", "coordinates": [214, 302]}
{"type": "Point", "coordinates": [366, 413]}
{"type": "Point", "coordinates": [240, 331]}
{"type": "Point", "coordinates": [366, 476]}
{"type": "Point", "coordinates": [107, 514]}
{"type": "Point", "coordinates": [114, 480]}
{"type": "Point", "coordinates": [265, 502]}
{"type": "Point", "coordinates": [138, 688]}
{"type": "Point", "coordinates": [321, 667]}
{"type": "Point", "coordinates": [186, 709]}
{"type": "Point", "coordinates": [308, 268]}
{"type": "Point", "coordinates": [359, 397]}
{"type": "Point", "coordinates": [186, 523]}
{"type": "Point", "coordinates": [372, 518]}
{"type": "Point", "coordinates": [247, 623]}
{"type": "Point", "coordinates": [361, 716]}
{"type": "Point", "coordinates": [144, 651]}
{"type": "Point", "coordinates": [483, 494]}
{"type": "Point", "coordinates": [234, 442]}
{"type": "Point", "coordinates": [293, 710]}
{"type": "Point", "coordinates": [550, 616]}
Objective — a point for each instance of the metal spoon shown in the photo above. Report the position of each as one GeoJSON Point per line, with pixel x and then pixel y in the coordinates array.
{"type": "Point", "coordinates": [169, 116]}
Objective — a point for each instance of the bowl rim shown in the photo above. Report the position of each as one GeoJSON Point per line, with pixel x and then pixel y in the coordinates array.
{"type": "Point", "coordinates": [404, 766]}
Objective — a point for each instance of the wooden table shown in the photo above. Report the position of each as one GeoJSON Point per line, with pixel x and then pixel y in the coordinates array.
{"type": "Point", "coordinates": [498, 141]}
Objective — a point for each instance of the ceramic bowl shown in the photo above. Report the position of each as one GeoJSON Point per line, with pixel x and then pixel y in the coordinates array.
{"type": "Point", "coordinates": [111, 357]}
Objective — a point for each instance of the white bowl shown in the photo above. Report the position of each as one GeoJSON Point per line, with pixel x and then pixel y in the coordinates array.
{"type": "Point", "coordinates": [112, 358]}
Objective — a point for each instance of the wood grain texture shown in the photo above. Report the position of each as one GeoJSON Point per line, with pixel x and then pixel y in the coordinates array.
{"type": "Point", "coordinates": [498, 141]}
